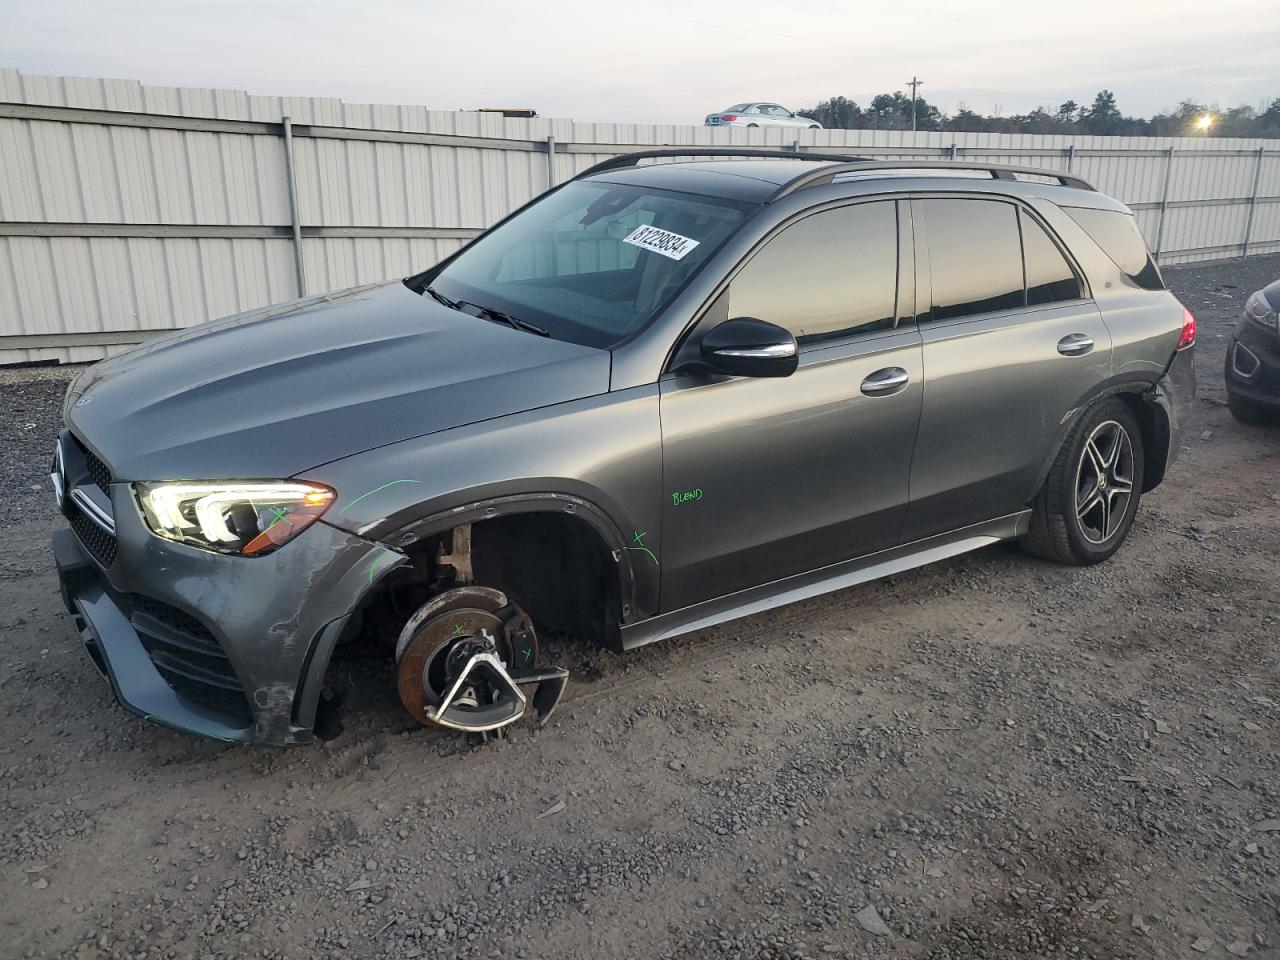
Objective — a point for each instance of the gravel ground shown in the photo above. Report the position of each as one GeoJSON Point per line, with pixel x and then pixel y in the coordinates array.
{"type": "Point", "coordinates": [991, 757]}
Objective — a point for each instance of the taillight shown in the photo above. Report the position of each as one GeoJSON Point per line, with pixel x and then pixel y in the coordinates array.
{"type": "Point", "coordinates": [1188, 337]}
{"type": "Point", "coordinates": [728, 117]}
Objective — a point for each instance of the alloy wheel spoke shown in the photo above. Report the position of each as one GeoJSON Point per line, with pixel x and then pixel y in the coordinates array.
{"type": "Point", "coordinates": [1090, 502]}
{"type": "Point", "coordinates": [1112, 457]}
{"type": "Point", "coordinates": [1095, 458]}
{"type": "Point", "coordinates": [1106, 516]}
{"type": "Point", "coordinates": [1112, 513]}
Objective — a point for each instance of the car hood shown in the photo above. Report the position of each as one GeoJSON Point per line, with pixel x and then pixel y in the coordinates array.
{"type": "Point", "coordinates": [277, 391]}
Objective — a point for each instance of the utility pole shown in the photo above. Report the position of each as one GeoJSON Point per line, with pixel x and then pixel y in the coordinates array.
{"type": "Point", "coordinates": [913, 83]}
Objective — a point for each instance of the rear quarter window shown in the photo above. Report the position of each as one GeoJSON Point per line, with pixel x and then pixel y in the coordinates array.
{"type": "Point", "coordinates": [1118, 235]}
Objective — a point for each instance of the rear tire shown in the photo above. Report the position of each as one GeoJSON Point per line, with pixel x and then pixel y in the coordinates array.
{"type": "Point", "coordinates": [1248, 412]}
{"type": "Point", "coordinates": [1086, 507]}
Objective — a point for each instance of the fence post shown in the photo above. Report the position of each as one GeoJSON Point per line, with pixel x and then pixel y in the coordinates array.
{"type": "Point", "coordinates": [1071, 156]}
{"type": "Point", "coordinates": [1164, 205]}
{"type": "Point", "coordinates": [551, 162]}
{"type": "Point", "coordinates": [953, 151]}
{"type": "Point", "coordinates": [1253, 203]}
{"type": "Point", "coordinates": [795, 146]}
{"type": "Point", "coordinates": [291, 176]}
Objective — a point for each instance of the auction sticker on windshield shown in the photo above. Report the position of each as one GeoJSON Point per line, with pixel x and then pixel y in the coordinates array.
{"type": "Point", "coordinates": [660, 241]}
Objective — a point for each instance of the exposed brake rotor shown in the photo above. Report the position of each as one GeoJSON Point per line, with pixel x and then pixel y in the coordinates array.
{"type": "Point", "coordinates": [467, 660]}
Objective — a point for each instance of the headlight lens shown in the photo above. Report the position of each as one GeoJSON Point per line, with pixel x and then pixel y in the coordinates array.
{"type": "Point", "coordinates": [1258, 310]}
{"type": "Point", "coordinates": [250, 519]}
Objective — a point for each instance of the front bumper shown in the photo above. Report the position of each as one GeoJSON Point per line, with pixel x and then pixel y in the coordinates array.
{"type": "Point", "coordinates": [1253, 365]}
{"type": "Point", "coordinates": [233, 648]}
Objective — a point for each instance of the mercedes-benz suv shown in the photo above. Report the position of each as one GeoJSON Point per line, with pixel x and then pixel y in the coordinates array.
{"type": "Point", "coordinates": [658, 397]}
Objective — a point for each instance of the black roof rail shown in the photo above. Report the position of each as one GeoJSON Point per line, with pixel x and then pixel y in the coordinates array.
{"type": "Point", "coordinates": [837, 164]}
{"type": "Point", "coordinates": [813, 178]}
{"type": "Point", "coordinates": [635, 156]}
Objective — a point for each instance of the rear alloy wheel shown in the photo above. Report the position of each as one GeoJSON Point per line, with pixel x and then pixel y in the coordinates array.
{"type": "Point", "coordinates": [1086, 507]}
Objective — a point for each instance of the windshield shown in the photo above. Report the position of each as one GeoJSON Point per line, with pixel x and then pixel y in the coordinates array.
{"type": "Point", "coordinates": [592, 262]}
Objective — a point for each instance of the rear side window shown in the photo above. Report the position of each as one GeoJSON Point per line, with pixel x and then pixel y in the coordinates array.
{"type": "Point", "coordinates": [1118, 235]}
{"type": "Point", "coordinates": [1050, 278]}
{"type": "Point", "coordinates": [829, 275]}
{"type": "Point", "coordinates": [975, 257]}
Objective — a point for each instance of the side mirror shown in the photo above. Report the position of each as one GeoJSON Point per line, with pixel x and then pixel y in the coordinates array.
{"type": "Point", "coordinates": [747, 347]}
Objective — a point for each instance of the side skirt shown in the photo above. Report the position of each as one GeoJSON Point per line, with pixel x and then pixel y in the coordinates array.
{"type": "Point", "coordinates": [837, 576]}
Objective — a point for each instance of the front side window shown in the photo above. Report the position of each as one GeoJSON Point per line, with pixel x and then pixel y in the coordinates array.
{"type": "Point", "coordinates": [592, 262]}
{"type": "Point", "coordinates": [829, 275]}
{"type": "Point", "coordinates": [1050, 278]}
{"type": "Point", "coordinates": [975, 258]}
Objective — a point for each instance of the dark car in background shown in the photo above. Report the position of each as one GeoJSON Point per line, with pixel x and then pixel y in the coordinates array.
{"type": "Point", "coordinates": [658, 397]}
{"type": "Point", "coordinates": [1253, 359]}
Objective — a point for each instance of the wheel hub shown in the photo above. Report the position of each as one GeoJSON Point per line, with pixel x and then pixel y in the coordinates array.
{"type": "Point", "coordinates": [464, 658]}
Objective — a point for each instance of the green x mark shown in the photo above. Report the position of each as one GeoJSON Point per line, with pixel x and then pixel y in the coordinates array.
{"type": "Point", "coordinates": [457, 629]}
{"type": "Point", "coordinates": [638, 538]}
{"type": "Point", "coordinates": [528, 654]}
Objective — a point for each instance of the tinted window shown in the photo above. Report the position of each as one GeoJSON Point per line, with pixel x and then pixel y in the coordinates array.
{"type": "Point", "coordinates": [1118, 235]}
{"type": "Point", "coordinates": [826, 276]}
{"type": "Point", "coordinates": [593, 261]}
{"type": "Point", "coordinates": [1050, 278]}
{"type": "Point", "coordinates": [975, 258]}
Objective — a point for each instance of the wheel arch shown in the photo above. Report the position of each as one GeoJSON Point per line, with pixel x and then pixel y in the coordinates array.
{"type": "Point", "coordinates": [630, 588]}
{"type": "Point", "coordinates": [1153, 421]}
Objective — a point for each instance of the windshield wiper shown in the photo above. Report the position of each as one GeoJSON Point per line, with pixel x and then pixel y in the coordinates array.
{"type": "Point", "coordinates": [489, 313]}
{"type": "Point", "coordinates": [440, 297]}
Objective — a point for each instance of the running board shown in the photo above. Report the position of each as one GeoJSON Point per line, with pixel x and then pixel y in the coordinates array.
{"type": "Point", "coordinates": [837, 576]}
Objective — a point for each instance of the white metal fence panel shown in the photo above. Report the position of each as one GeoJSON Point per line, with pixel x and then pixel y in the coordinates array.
{"type": "Point", "coordinates": [127, 209]}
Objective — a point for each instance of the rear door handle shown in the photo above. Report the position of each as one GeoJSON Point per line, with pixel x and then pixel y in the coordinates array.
{"type": "Point", "coordinates": [1075, 344]}
{"type": "Point", "coordinates": [884, 382]}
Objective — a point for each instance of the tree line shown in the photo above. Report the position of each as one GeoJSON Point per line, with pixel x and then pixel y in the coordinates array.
{"type": "Point", "coordinates": [892, 111]}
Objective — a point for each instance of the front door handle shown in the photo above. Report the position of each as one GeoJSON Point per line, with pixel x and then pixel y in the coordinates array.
{"type": "Point", "coordinates": [884, 382]}
{"type": "Point", "coordinates": [1075, 344]}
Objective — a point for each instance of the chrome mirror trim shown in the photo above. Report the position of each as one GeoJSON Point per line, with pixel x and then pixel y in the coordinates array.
{"type": "Point", "coordinates": [772, 352]}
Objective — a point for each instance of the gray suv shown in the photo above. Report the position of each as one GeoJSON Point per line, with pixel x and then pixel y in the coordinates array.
{"type": "Point", "coordinates": [659, 397]}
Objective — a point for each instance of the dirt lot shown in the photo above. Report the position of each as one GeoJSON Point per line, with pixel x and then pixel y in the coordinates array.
{"type": "Point", "coordinates": [991, 757]}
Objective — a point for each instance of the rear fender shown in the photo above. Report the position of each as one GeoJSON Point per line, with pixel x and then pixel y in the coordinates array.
{"type": "Point", "coordinates": [1154, 415]}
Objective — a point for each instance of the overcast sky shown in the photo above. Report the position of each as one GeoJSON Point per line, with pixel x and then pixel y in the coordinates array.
{"type": "Point", "coordinates": [665, 60]}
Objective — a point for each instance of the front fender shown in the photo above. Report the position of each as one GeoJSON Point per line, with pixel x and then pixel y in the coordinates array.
{"type": "Point", "coordinates": [599, 457]}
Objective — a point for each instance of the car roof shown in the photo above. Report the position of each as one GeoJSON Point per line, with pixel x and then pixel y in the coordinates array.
{"type": "Point", "coordinates": [758, 180]}
{"type": "Point", "coordinates": [746, 179]}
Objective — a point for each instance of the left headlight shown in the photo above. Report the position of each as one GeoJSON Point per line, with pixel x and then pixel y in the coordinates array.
{"type": "Point", "coordinates": [249, 518]}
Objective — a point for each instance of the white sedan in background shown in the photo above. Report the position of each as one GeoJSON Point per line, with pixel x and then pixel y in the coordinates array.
{"type": "Point", "coordinates": [759, 115]}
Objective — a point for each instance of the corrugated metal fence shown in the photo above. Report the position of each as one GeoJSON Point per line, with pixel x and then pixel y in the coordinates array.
{"type": "Point", "coordinates": [127, 209]}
